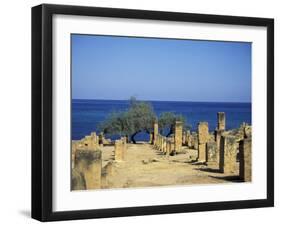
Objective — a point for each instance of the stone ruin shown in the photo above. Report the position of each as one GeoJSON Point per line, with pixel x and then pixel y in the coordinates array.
{"type": "Point", "coordinates": [228, 153]}
{"type": "Point", "coordinates": [221, 149]}
{"type": "Point", "coordinates": [245, 167]}
{"type": "Point", "coordinates": [86, 173]}
{"type": "Point", "coordinates": [168, 145]}
{"type": "Point", "coordinates": [178, 136]}
{"type": "Point", "coordinates": [87, 160]}
{"type": "Point", "coordinates": [120, 148]}
{"type": "Point", "coordinates": [203, 138]}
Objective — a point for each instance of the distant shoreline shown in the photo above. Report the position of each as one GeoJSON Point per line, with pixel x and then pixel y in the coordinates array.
{"type": "Point", "coordinates": [87, 114]}
{"type": "Point", "coordinates": [180, 101]}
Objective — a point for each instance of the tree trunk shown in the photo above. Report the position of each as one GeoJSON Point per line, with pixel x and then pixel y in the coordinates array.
{"type": "Point", "coordinates": [170, 132]}
{"type": "Point", "coordinates": [133, 137]}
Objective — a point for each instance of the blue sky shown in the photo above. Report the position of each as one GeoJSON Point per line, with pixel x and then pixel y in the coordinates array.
{"type": "Point", "coordinates": [110, 67]}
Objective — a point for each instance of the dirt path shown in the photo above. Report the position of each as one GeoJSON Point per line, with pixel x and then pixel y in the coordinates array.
{"type": "Point", "coordinates": [145, 166]}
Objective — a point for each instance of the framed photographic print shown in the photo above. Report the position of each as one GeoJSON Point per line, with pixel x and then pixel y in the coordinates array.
{"type": "Point", "coordinates": [145, 112]}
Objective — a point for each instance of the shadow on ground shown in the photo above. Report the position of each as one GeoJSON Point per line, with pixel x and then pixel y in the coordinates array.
{"type": "Point", "coordinates": [210, 170]}
{"type": "Point", "coordinates": [229, 178]}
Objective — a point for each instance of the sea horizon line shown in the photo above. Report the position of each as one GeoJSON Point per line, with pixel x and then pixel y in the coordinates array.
{"type": "Point", "coordinates": [190, 101]}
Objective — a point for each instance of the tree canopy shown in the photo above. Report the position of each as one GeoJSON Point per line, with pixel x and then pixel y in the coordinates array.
{"type": "Point", "coordinates": [167, 122]}
{"type": "Point", "coordinates": [139, 117]}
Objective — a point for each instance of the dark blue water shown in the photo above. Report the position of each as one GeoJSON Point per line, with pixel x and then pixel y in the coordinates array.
{"type": "Point", "coordinates": [87, 114]}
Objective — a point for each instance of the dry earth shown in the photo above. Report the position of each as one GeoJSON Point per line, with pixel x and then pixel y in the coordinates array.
{"type": "Point", "coordinates": [145, 166]}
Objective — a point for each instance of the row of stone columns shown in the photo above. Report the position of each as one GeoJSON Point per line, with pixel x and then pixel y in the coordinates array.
{"type": "Point", "coordinates": [176, 142]}
{"type": "Point", "coordinates": [165, 144]}
{"type": "Point", "coordinates": [223, 151]}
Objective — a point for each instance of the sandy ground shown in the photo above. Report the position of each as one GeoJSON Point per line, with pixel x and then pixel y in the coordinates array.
{"type": "Point", "coordinates": [145, 166]}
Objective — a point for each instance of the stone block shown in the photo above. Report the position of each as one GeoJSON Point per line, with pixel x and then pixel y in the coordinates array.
{"type": "Point", "coordinates": [88, 164]}
{"type": "Point", "coordinates": [228, 153]}
{"type": "Point", "coordinates": [245, 165]}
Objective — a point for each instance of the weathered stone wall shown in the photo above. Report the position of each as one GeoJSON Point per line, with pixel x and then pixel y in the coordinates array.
{"type": "Point", "coordinates": [228, 153]}
{"type": "Point", "coordinates": [178, 136]}
{"type": "Point", "coordinates": [212, 157]}
{"type": "Point", "coordinates": [87, 171]}
{"type": "Point", "coordinates": [245, 153]}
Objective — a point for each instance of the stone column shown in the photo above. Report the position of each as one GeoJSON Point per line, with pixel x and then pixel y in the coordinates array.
{"type": "Point", "coordinates": [184, 137]}
{"type": "Point", "coordinates": [168, 149]}
{"type": "Point", "coordinates": [151, 138]}
{"type": "Point", "coordinates": [155, 131]}
{"type": "Point", "coordinates": [245, 154]}
{"type": "Point", "coordinates": [203, 137]}
{"type": "Point", "coordinates": [178, 136]}
{"type": "Point", "coordinates": [119, 150]}
{"type": "Point", "coordinates": [88, 163]}
{"type": "Point", "coordinates": [157, 142]}
{"type": "Point", "coordinates": [164, 144]}
{"type": "Point", "coordinates": [228, 152]}
{"type": "Point", "coordinates": [218, 134]}
{"type": "Point", "coordinates": [172, 147]}
{"type": "Point", "coordinates": [221, 120]}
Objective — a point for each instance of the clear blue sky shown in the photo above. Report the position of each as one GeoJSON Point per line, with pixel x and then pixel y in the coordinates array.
{"type": "Point", "coordinates": [108, 67]}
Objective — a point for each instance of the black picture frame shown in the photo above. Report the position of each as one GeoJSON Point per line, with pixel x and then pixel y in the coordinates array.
{"type": "Point", "coordinates": [42, 111]}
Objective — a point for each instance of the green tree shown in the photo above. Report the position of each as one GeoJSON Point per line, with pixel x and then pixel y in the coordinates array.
{"type": "Point", "coordinates": [167, 122]}
{"type": "Point", "coordinates": [138, 118]}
